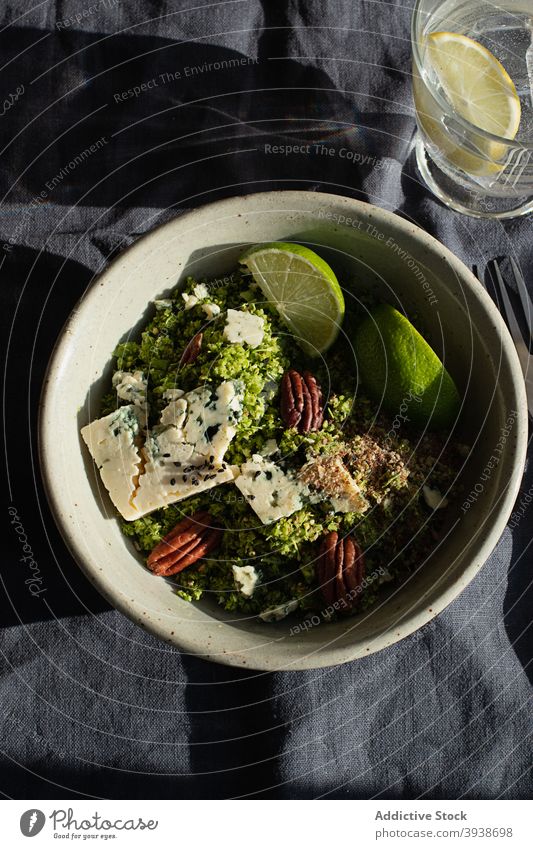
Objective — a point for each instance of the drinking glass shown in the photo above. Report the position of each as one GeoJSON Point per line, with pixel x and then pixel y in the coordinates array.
{"type": "Point", "coordinates": [469, 169]}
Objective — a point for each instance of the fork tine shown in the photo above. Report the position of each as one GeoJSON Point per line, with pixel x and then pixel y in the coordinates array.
{"type": "Point", "coordinates": [511, 320]}
{"type": "Point", "coordinates": [524, 295]}
{"type": "Point", "coordinates": [524, 356]}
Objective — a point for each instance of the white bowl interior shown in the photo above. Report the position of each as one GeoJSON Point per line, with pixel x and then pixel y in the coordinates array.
{"type": "Point", "coordinates": [374, 250]}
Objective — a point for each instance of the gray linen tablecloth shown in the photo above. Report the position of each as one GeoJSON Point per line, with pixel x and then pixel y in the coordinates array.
{"type": "Point", "coordinates": [177, 104]}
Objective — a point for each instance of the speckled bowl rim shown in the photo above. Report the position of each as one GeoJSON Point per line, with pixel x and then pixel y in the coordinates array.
{"type": "Point", "coordinates": [331, 655]}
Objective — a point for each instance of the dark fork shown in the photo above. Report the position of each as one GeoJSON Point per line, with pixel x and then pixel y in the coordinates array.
{"type": "Point", "coordinates": [523, 349]}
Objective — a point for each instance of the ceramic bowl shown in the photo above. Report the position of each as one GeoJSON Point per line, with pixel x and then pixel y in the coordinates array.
{"type": "Point", "coordinates": [370, 250]}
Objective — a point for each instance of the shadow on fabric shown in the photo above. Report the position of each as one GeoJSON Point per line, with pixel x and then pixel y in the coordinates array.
{"type": "Point", "coordinates": [234, 737]}
{"type": "Point", "coordinates": [41, 290]}
{"type": "Point", "coordinates": [133, 120]}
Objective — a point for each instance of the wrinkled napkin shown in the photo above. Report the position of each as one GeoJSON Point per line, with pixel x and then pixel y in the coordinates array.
{"type": "Point", "coordinates": [117, 116]}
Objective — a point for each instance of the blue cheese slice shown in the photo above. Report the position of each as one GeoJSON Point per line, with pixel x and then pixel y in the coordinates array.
{"type": "Point", "coordinates": [181, 456]}
{"type": "Point", "coordinates": [244, 327]}
{"type": "Point", "coordinates": [212, 417]}
{"type": "Point", "coordinates": [173, 394]}
{"type": "Point", "coordinates": [113, 443]}
{"type": "Point", "coordinates": [184, 454]}
{"type": "Point", "coordinates": [328, 478]}
{"type": "Point", "coordinates": [270, 492]}
{"type": "Point", "coordinates": [173, 470]}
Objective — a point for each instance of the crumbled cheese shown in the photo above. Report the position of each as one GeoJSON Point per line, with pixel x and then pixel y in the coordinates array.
{"type": "Point", "coordinates": [198, 294]}
{"type": "Point", "coordinates": [190, 300]}
{"type": "Point", "coordinates": [163, 304]}
{"type": "Point", "coordinates": [246, 578]}
{"type": "Point", "coordinates": [275, 614]}
{"type": "Point", "coordinates": [131, 387]}
{"type": "Point", "coordinates": [201, 291]}
{"type": "Point", "coordinates": [244, 327]}
{"type": "Point", "coordinates": [211, 310]}
{"type": "Point", "coordinates": [270, 447]}
{"type": "Point", "coordinates": [433, 498]}
{"type": "Point", "coordinates": [270, 492]}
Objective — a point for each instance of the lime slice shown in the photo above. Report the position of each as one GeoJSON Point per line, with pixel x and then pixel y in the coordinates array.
{"type": "Point", "coordinates": [304, 290]}
{"type": "Point", "coordinates": [400, 370]}
{"type": "Point", "coordinates": [480, 90]}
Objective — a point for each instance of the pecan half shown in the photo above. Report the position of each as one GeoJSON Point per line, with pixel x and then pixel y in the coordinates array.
{"type": "Point", "coordinates": [340, 569]}
{"type": "Point", "coordinates": [189, 541]}
{"type": "Point", "coordinates": [191, 350]}
{"type": "Point", "coordinates": [301, 401]}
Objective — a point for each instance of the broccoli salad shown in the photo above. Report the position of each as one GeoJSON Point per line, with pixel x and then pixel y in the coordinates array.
{"type": "Point", "coordinates": [250, 473]}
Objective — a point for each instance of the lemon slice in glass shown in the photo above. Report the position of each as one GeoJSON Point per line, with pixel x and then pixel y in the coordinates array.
{"type": "Point", "coordinates": [480, 90]}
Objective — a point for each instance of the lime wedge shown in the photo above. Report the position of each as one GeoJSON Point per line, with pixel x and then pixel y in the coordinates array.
{"type": "Point", "coordinates": [400, 370]}
{"type": "Point", "coordinates": [480, 90]}
{"type": "Point", "coordinates": [304, 290]}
